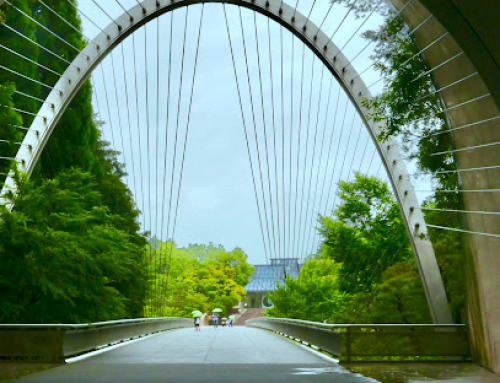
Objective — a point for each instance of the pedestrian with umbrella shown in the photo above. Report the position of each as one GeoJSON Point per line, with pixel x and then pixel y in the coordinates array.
{"type": "Point", "coordinates": [197, 315]}
{"type": "Point", "coordinates": [215, 316]}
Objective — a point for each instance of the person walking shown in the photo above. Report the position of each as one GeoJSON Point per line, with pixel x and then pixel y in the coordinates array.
{"type": "Point", "coordinates": [216, 319]}
{"type": "Point", "coordinates": [197, 323]}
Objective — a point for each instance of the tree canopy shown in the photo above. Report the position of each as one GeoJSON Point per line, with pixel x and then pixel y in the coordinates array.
{"type": "Point", "coordinates": [64, 257]}
{"type": "Point", "coordinates": [315, 295]}
{"type": "Point", "coordinates": [365, 271]}
{"type": "Point", "coordinates": [71, 249]}
{"type": "Point", "coordinates": [199, 277]}
{"type": "Point", "coordinates": [366, 235]}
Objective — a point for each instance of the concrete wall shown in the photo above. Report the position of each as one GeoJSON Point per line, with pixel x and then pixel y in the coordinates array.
{"type": "Point", "coordinates": [473, 29]}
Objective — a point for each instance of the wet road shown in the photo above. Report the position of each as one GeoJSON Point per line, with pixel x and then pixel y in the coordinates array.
{"type": "Point", "coordinates": [237, 354]}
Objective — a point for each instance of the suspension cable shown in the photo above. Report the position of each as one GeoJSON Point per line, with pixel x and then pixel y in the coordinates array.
{"type": "Point", "coordinates": [303, 221]}
{"type": "Point", "coordinates": [444, 35]}
{"type": "Point", "coordinates": [339, 179]}
{"type": "Point", "coordinates": [39, 45]}
{"type": "Point", "coordinates": [107, 106]}
{"type": "Point", "coordinates": [403, 8]}
{"type": "Point", "coordinates": [473, 124]}
{"type": "Point", "coordinates": [32, 61]}
{"type": "Point", "coordinates": [131, 18]}
{"type": "Point", "coordinates": [119, 119]}
{"type": "Point", "coordinates": [179, 100]}
{"type": "Point", "coordinates": [290, 168]}
{"type": "Point", "coordinates": [360, 26]}
{"type": "Point", "coordinates": [138, 125]}
{"type": "Point", "coordinates": [326, 16]}
{"type": "Point", "coordinates": [463, 231]}
{"type": "Point", "coordinates": [108, 15]}
{"type": "Point", "coordinates": [323, 139]}
{"type": "Point", "coordinates": [33, 97]}
{"type": "Point", "coordinates": [342, 129]}
{"type": "Point", "coordinates": [409, 34]}
{"type": "Point", "coordinates": [125, 77]}
{"type": "Point", "coordinates": [330, 147]}
{"type": "Point", "coordinates": [67, 22]}
{"type": "Point", "coordinates": [462, 211]}
{"type": "Point", "coordinates": [162, 292]}
{"type": "Point", "coordinates": [452, 58]}
{"type": "Point", "coordinates": [44, 28]}
{"type": "Point", "coordinates": [340, 25]}
{"type": "Point", "coordinates": [456, 191]}
{"type": "Point", "coordinates": [283, 186]}
{"type": "Point", "coordinates": [157, 84]}
{"type": "Point", "coordinates": [299, 136]}
{"type": "Point", "coordinates": [188, 120]}
{"type": "Point", "coordinates": [88, 18]}
{"type": "Point", "coordinates": [26, 77]}
{"type": "Point", "coordinates": [459, 81]}
{"type": "Point", "coordinates": [271, 83]}
{"type": "Point", "coordinates": [310, 209]}
{"type": "Point", "coordinates": [254, 127]}
{"type": "Point", "coordinates": [243, 121]}
{"type": "Point", "coordinates": [271, 208]}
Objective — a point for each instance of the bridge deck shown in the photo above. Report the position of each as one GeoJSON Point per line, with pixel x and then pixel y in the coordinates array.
{"type": "Point", "coordinates": [237, 354]}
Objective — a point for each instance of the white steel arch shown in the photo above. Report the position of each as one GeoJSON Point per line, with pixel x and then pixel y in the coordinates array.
{"type": "Point", "coordinates": [87, 60]}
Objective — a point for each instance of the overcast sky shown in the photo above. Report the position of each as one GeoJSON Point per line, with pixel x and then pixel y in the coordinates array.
{"type": "Point", "coordinates": [217, 200]}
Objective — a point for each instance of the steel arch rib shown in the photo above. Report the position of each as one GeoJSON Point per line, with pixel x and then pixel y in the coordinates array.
{"type": "Point", "coordinates": [137, 16]}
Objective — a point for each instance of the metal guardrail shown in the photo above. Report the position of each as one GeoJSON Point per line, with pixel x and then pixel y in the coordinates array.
{"type": "Point", "coordinates": [376, 342]}
{"type": "Point", "coordinates": [55, 342]}
{"type": "Point", "coordinates": [313, 333]}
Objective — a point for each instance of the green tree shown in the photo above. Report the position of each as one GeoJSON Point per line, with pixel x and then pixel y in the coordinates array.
{"type": "Point", "coordinates": [10, 135]}
{"type": "Point", "coordinates": [11, 85]}
{"type": "Point", "coordinates": [76, 132]}
{"type": "Point", "coordinates": [411, 109]}
{"type": "Point", "coordinates": [63, 258]}
{"type": "Point", "coordinates": [366, 235]}
{"type": "Point", "coordinates": [235, 259]}
{"type": "Point", "coordinates": [199, 277]}
{"type": "Point", "coordinates": [16, 43]}
{"type": "Point", "coordinates": [166, 266]}
{"type": "Point", "coordinates": [75, 144]}
{"type": "Point", "coordinates": [115, 194]}
{"type": "Point", "coordinates": [449, 253]}
{"type": "Point", "coordinates": [314, 295]}
{"type": "Point", "coordinates": [397, 298]}
{"type": "Point", "coordinates": [365, 272]}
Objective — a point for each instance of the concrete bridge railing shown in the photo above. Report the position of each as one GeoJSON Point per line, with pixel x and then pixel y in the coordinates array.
{"type": "Point", "coordinates": [376, 342]}
{"type": "Point", "coordinates": [56, 342]}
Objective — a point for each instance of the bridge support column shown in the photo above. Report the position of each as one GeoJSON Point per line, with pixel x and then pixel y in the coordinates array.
{"type": "Point", "coordinates": [473, 29]}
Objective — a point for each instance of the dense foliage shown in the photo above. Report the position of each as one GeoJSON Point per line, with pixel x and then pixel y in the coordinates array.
{"type": "Point", "coordinates": [365, 236]}
{"type": "Point", "coordinates": [315, 295]}
{"type": "Point", "coordinates": [199, 277]}
{"type": "Point", "coordinates": [365, 271]}
{"type": "Point", "coordinates": [70, 250]}
{"type": "Point", "coordinates": [411, 111]}
{"type": "Point", "coordinates": [64, 258]}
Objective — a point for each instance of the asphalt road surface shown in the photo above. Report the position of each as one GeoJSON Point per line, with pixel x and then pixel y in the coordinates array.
{"type": "Point", "coordinates": [237, 354]}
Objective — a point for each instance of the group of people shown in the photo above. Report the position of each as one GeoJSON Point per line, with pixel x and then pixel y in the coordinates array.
{"type": "Point", "coordinates": [215, 318]}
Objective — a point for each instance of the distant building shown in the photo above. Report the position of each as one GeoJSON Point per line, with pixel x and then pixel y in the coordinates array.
{"type": "Point", "coordinates": [267, 278]}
